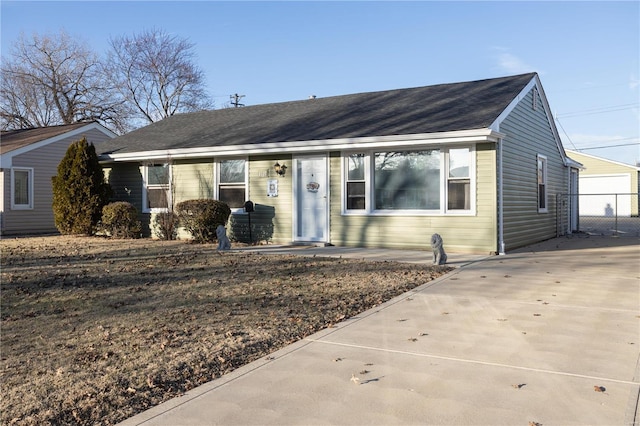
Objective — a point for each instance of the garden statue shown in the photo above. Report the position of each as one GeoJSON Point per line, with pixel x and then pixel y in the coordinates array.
{"type": "Point", "coordinates": [223, 240]}
{"type": "Point", "coordinates": [439, 256]}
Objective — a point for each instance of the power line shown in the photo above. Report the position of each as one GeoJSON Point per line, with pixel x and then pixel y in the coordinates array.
{"type": "Point", "coordinates": [600, 110]}
{"type": "Point", "coordinates": [607, 146]}
{"type": "Point", "coordinates": [566, 134]}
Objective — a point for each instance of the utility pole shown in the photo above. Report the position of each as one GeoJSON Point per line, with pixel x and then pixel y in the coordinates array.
{"type": "Point", "coordinates": [235, 100]}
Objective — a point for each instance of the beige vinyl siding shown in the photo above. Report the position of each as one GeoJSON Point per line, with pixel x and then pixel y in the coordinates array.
{"type": "Point", "coordinates": [529, 134]}
{"type": "Point", "coordinates": [192, 179]}
{"type": "Point", "coordinates": [44, 162]}
{"type": "Point", "coordinates": [472, 234]}
{"type": "Point", "coordinates": [596, 166]}
{"type": "Point", "coordinates": [126, 183]}
{"type": "Point", "coordinates": [272, 219]}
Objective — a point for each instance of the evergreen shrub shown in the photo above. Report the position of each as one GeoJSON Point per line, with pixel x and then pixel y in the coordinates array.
{"type": "Point", "coordinates": [120, 220]}
{"type": "Point", "coordinates": [201, 218]}
{"type": "Point", "coordinates": [79, 190]}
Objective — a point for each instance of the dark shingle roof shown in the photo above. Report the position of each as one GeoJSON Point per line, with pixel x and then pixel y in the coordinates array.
{"type": "Point", "coordinates": [429, 109]}
{"type": "Point", "coordinates": [11, 140]}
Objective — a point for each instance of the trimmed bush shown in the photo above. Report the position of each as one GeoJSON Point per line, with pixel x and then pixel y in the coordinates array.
{"type": "Point", "coordinates": [201, 218]}
{"type": "Point", "coordinates": [165, 225]}
{"type": "Point", "coordinates": [79, 190]}
{"type": "Point", "coordinates": [120, 220]}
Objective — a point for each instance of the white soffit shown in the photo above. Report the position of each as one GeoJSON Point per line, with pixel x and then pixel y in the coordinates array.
{"type": "Point", "coordinates": [372, 142]}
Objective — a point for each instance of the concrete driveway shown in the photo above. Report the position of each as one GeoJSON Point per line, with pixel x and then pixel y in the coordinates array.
{"type": "Point", "coordinates": [545, 335]}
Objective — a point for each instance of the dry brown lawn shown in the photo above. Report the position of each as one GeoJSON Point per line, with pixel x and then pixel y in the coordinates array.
{"type": "Point", "coordinates": [97, 330]}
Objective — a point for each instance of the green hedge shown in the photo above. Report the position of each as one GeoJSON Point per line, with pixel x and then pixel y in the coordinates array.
{"type": "Point", "coordinates": [201, 218]}
{"type": "Point", "coordinates": [120, 220]}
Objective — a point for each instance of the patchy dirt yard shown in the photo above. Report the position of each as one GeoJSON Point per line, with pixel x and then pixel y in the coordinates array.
{"type": "Point", "coordinates": [96, 330]}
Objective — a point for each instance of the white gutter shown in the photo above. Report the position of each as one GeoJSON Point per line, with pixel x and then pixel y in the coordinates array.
{"type": "Point", "coordinates": [501, 250]}
{"type": "Point", "coordinates": [386, 142]}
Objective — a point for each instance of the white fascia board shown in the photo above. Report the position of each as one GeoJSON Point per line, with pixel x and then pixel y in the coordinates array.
{"type": "Point", "coordinates": [570, 151]}
{"type": "Point", "coordinates": [535, 82]}
{"type": "Point", "coordinates": [6, 160]}
{"type": "Point", "coordinates": [370, 142]}
{"type": "Point", "coordinates": [574, 164]}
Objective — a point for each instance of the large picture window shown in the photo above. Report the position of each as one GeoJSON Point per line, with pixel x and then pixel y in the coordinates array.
{"type": "Point", "coordinates": [428, 181]}
{"type": "Point", "coordinates": [157, 187]}
{"type": "Point", "coordinates": [22, 188]}
{"type": "Point", "coordinates": [232, 182]}
{"type": "Point", "coordinates": [407, 180]}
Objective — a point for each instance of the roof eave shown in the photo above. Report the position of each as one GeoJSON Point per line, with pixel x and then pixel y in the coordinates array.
{"type": "Point", "coordinates": [6, 159]}
{"type": "Point", "coordinates": [369, 142]}
{"type": "Point", "coordinates": [535, 82]}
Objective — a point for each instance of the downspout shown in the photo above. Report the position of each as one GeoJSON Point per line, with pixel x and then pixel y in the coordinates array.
{"type": "Point", "coordinates": [501, 251]}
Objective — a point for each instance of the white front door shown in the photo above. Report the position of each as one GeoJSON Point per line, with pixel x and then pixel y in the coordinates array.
{"type": "Point", "coordinates": [311, 199]}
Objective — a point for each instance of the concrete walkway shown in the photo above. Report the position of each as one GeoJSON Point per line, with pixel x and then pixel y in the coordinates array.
{"type": "Point", "coordinates": [546, 335]}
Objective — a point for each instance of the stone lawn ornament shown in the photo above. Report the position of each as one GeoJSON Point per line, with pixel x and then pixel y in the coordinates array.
{"type": "Point", "coordinates": [223, 240]}
{"type": "Point", "coordinates": [439, 256]}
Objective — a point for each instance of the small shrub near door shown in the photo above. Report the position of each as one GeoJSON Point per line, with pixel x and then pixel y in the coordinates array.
{"type": "Point", "coordinates": [120, 220]}
{"type": "Point", "coordinates": [165, 225]}
{"type": "Point", "coordinates": [201, 218]}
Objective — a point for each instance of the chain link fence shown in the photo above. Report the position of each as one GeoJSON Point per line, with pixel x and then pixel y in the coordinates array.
{"type": "Point", "coordinates": [598, 214]}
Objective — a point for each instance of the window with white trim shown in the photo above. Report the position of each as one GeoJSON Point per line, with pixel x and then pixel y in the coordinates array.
{"type": "Point", "coordinates": [356, 183]}
{"type": "Point", "coordinates": [21, 188]}
{"type": "Point", "coordinates": [542, 184]}
{"type": "Point", "coordinates": [431, 181]}
{"type": "Point", "coordinates": [407, 180]}
{"type": "Point", "coordinates": [458, 179]}
{"type": "Point", "coordinates": [157, 190]}
{"type": "Point", "coordinates": [232, 182]}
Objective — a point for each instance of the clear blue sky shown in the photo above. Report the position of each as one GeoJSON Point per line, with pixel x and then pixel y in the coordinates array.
{"type": "Point", "coordinates": [587, 53]}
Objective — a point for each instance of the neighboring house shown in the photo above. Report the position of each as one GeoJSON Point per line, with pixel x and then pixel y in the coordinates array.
{"type": "Point", "coordinates": [29, 158]}
{"type": "Point", "coordinates": [607, 187]}
{"type": "Point", "coordinates": [478, 162]}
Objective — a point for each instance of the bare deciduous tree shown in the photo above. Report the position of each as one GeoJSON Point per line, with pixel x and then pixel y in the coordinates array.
{"type": "Point", "coordinates": [156, 75]}
{"type": "Point", "coordinates": [56, 79]}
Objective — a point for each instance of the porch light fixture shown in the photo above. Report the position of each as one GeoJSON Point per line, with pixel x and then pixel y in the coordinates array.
{"type": "Point", "coordinates": [280, 169]}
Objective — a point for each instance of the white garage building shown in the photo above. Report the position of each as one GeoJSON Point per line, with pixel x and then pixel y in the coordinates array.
{"type": "Point", "coordinates": [607, 188]}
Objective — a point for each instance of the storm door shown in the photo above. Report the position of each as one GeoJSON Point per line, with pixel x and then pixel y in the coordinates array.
{"type": "Point", "coordinates": [311, 203]}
